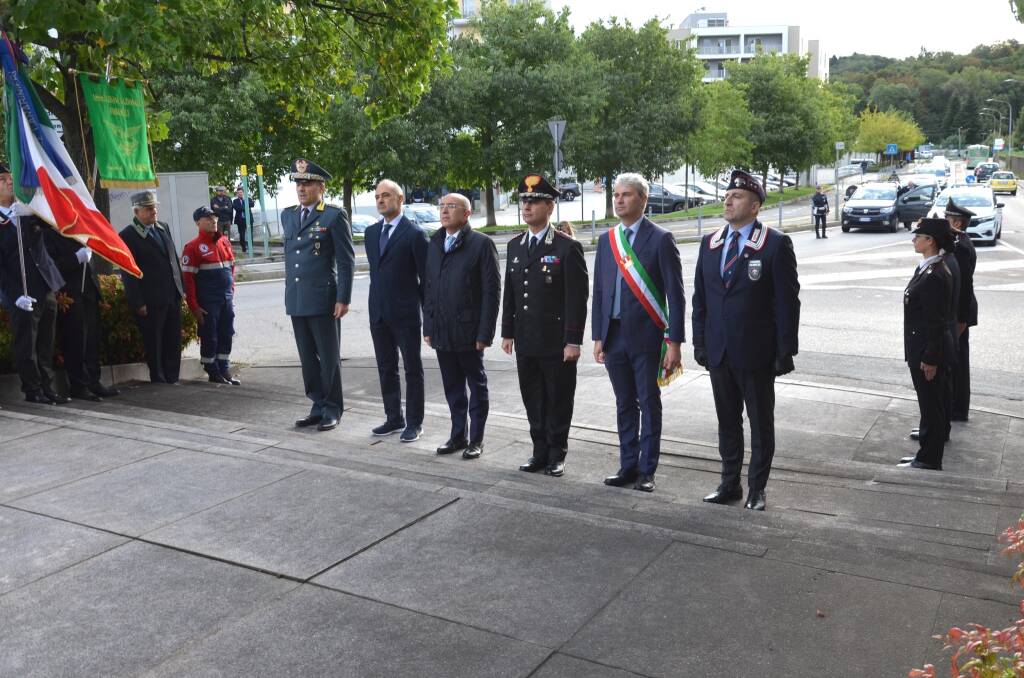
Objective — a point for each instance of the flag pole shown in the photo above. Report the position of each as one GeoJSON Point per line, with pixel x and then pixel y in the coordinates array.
{"type": "Point", "coordinates": [21, 249]}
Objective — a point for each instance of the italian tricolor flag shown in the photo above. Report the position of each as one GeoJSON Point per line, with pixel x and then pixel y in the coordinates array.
{"type": "Point", "coordinates": [45, 179]}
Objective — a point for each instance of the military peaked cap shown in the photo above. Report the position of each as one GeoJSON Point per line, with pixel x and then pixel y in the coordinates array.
{"type": "Point", "coordinates": [536, 186]}
{"type": "Point", "coordinates": [307, 170]}
{"type": "Point", "coordinates": [747, 182]}
{"type": "Point", "coordinates": [144, 199]}
{"type": "Point", "coordinates": [954, 210]}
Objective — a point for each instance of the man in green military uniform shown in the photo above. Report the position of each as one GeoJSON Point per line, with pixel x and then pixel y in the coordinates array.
{"type": "Point", "coordinates": [545, 312]}
{"type": "Point", "coordinates": [319, 265]}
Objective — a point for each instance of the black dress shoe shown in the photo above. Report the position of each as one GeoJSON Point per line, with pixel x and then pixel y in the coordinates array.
{"type": "Point", "coordinates": [644, 483]}
{"type": "Point", "coordinates": [327, 422]}
{"type": "Point", "coordinates": [915, 434]}
{"type": "Point", "coordinates": [756, 500]}
{"type": "Point", "coordinates": [533, 465]}
{"type": "Point", "coordinates": [914, 463]}
{"type": "Point", "coordinates": [231, 380]}
{"type": "Point", "coordinates": [725, 494]}
{"type": "Point", "coordinates": [82, 393]}
{"type": "Point", "coordinates": [621, 478]}
{"type": "Point", "coordinates": [555, 469]}
{"type": "Point", "coordinates": [101, 391]}
{"type": "Point", "coordinates": [387, 428]}
{"type": "Point", "coordinates": [37, 398]}
{"type": "Point", "coordinates": [473, 451]}
{"type": "Point", "coordinates": [57, 399]}
{"type": "Point", "coordinates": [311, 420]}
{"type": "Point", "coordinates": [218, 379]}
{"type": "Point", "coordinates": [452, 446]}
{"type": "Point", "coordinates": [907, 460]}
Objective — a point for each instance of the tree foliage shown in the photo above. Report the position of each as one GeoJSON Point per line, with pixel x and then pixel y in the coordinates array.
{"type": "Point", "coordinates": [723, 141]}
{"type": "Point", "coordinates": [880, 128]}
{"type": "Point", "coordinates": [651, 103]}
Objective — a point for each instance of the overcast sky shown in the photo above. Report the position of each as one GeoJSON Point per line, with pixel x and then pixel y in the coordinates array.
{"type": "Point", "coordinates": [894, 28]}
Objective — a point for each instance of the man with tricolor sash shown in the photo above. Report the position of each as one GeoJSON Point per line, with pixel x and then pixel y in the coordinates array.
{"type": "Point", "coordinates": [746, 314]}
{"type": "Point", "coordinates": [638, 322]}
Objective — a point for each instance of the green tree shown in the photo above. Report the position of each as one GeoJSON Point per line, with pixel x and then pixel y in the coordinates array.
{"type": "Point", "coordinates": [305, 51]}
{"type": "Point", "coordinates": [880, 128]}
{"type": "Point", "coordinates": [789, 127]}
{"type": "Point", "coordinates": [887, 96]}
{"type": "Point", "coordinates": [723, 141]}
{"type": "Point", "coordinates": [649, 108]}
{"type": "Point", "coordinates": [516, 72]}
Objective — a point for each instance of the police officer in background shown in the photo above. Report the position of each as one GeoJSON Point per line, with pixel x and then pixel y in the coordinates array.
{"type": "Point", "coordinates": [927, 344]}
{"type": "Point", "coordinates": [221, 204]}
{"type": "Point", "coordinates": [819, 207]}
{"type": "Point", "coordinates": [545, 312]}
{"type": "Point", "coordinates": [319, 262]}
{"type": "Point", "coordinates": [966, 308]}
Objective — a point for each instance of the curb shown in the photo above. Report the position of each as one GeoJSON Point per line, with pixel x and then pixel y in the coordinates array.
{"type": "Point", "coordinates": [10, 384]}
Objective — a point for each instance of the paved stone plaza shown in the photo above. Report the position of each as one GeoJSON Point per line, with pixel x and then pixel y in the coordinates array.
{"type": "Point", "coordinates": [191, 531]}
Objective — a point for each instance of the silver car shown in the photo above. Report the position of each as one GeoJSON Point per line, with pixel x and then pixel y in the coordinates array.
{"type": "Point", "coordinates": [987, 225]}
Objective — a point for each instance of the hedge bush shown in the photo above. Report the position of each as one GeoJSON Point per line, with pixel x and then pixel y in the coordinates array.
{"type": "Point", "coordinates": [120, 339]}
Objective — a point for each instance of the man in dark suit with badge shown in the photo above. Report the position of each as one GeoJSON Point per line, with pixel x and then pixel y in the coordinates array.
{"type": "Point", "coordinates": [156, 298]}
{"type": "Point", "coordinates": [462, 290]}
{"type": "Point", "coordinates": [545, 312]}
{"type": "Point", "coordinates": [319, 264]}
{"type": "Point", "coordinates": [396, 248]}
{"type": "Point", "coordinates": [966, 308]}
{"type": "Point", "coordinates": [746, 314]}
{"type": "Point", "coordinates": [637, 323]}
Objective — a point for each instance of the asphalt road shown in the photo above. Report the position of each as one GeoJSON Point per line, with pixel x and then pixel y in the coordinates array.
{"type": "Point", "coordinates": [851, 296]}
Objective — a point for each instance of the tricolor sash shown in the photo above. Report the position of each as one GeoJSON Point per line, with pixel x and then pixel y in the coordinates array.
{"type": "Point", "coordinates": [646, 292]}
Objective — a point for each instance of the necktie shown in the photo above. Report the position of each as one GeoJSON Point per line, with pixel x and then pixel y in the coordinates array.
{"type": "Point", "coordinates": [305, 213]}
{"type": "Point", "coordinates": [384, 237]}
{"type": "Point", "coordinates": [619, 282]}
{"type": "Point", "coordinates": [448, 242]}
{"type": "Point", "coordinates": [533, 245]}
{"type": "Point", "coordinates": [732, 255]}
{"type": "Point", "coordinates": [151, 232]}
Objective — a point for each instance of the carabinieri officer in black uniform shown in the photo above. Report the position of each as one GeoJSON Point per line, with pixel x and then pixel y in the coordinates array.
{"type": "Point", "coordinates": [927, 342]}
{"type": "Point", "coordinates": [543, 318]}
{"type": "Point", "coordinates": [319, 264]}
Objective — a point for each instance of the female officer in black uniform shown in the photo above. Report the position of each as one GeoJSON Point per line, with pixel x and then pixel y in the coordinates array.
{"type": "Point", "coordinates": [927, 343]}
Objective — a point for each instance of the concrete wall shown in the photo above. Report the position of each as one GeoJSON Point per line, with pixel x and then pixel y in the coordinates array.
{"type": "Point", "coordinates": [179, 194]}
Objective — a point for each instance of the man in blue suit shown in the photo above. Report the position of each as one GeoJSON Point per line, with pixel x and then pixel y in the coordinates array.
{"type": "Point", "coordinates": [638, 281]}
{"type": "Point", "coordinates": [746, 313]}
{"type": "Point", "coordinates": [397, 251]}
{"type": "Point", "coordinates": [320, 262]}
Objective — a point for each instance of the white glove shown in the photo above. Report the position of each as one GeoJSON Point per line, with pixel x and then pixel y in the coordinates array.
{"type": "Point", "coordinates": [83, 255]}
{"type": "Point", "coordinates": [25, 303]}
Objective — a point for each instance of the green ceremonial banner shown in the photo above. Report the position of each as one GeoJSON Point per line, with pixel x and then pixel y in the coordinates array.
{"type": "Point", "coordinates": [118, 116]}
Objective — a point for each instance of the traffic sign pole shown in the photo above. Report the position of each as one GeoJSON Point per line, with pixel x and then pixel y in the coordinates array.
{"type": "Point", "coordinates": [557, 129]}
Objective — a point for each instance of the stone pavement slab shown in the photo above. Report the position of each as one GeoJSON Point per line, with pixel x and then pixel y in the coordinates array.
{"type": "Point", "coordinates": [697, 608]}
{"type": "Point", "coordinates": [33, 546]}
{"type": "Point", "coordinates": [57, 456]}
{"type": "Point", "coordinates": [315, 632]}
{"type": "Point", "coordinates": [17, 425]}
{"type": "Point", "coordinates": [528, 575]}
{"type": "Point", "coordinates": [564, 666]}
{"type": "Point", "coordinates": [141, 497]}
{"type": "Point", "coordinates": [302, 525]}
{"type": "Point", "coordinates": [123, 612]}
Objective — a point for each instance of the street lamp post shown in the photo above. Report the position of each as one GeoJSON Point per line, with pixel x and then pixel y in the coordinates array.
{"type": "Point", "coordinates": [1009, 131]}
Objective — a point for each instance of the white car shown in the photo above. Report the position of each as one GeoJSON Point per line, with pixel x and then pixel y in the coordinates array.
{"type": "Point", "coordinates": [424, 214]}
{"type": "Point", "coordinates": [986, 226]}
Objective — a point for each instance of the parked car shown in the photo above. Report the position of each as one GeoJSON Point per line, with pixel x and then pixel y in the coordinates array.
{"type": "Point", "coordinates": [706, 194]}
{"type": "Point", "coordinates": [985, 170]}
{"type": "Point", "coordinates": [873, 205]}
{"type": "Point", "coordinates": [916, 203]}
{"type": "Point", "coordinates": [425, 215]}
{"type": "Point", "coordinates": [1003, 182]}
{"type": "Point", "coordinates": [663, 199]}
{"type": "Point", "coordinates": [986, 226]}
{"type": "Point", "coordinates": [360, 222]}
{"type": "Point", "coordinates": [569, 190]}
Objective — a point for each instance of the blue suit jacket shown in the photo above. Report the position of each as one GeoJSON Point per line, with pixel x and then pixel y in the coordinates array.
{"type": "Point", "coordinates": [758, 317]}
{"type": "Point", "coordinates": [656, 249]}
{"type": "Point", "coordinates": [396, 277]}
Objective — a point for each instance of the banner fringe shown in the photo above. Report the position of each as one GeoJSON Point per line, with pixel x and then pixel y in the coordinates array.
{"type": "Point", "coordinates": [116, 183]}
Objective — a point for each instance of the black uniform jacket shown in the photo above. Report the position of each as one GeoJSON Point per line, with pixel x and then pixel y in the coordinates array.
{"type": "Point", "coordinates": [545, 299]}
{"type": "Point", "coordinates": [62, 250]}
{"type": "Point", "coordinates": [462, 291]}
{"type": "Point", "coordinates": [758, 318]}
{"type": "Point", "coordinates": [967, 258]}
{"type": "Point", "coordinates": [926, 304]}
{"type": "Point", "coordinates": [41, 274]}
{"type": "Point", "coordinates": [161, 270]}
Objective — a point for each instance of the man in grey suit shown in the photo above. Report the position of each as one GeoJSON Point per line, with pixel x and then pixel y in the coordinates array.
{"type": "Point", "coordinates": [319, 261]}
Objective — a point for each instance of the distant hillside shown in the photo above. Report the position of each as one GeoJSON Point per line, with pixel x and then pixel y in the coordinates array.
{"type": "Point", "coordinates": [941, 90]}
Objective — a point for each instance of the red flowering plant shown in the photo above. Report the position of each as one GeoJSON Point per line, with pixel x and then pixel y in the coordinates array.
{"type": "Point", "coordinates": [981, 652]}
